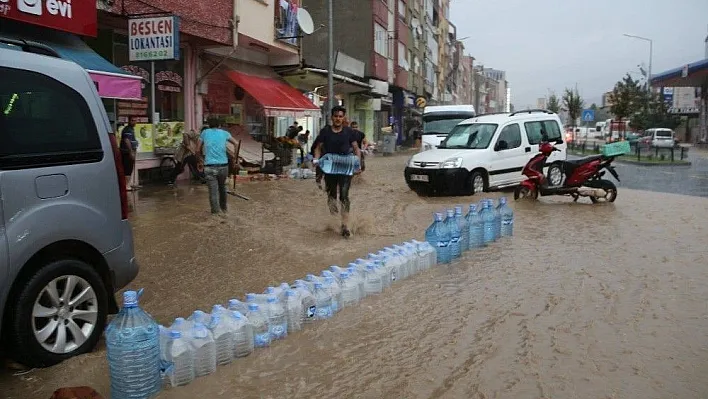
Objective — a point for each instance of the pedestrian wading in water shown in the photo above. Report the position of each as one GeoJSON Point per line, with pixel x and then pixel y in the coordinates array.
{"type": "Point", "coordinates": [337, 139]}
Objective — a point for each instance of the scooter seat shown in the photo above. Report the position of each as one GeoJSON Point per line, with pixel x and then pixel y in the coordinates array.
{"type": "Point", "coordinates": [583, 160]}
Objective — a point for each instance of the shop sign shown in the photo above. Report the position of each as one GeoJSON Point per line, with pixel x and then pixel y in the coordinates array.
{"type": "Point", "coordinates": [78, 17]}
{"type": "Point", "coordinates": [153, 39]}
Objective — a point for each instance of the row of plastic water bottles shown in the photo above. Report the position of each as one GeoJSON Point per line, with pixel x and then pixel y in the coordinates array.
{"type": "Point", "coordinates": [484, 223]}
{"type": "Point", "coordinates": [143, 355]}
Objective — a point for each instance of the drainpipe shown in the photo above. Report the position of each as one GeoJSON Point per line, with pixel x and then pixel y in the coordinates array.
{"type": "Point", "coordinates": [235, 19]}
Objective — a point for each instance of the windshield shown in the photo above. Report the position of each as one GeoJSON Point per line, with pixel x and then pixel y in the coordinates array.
{"type": "Point", "coordinates": [472, 136]}
{"type": "Point", "coordinates": [663, 133]}
{"type": "Point", "coordinates": [441, 124]}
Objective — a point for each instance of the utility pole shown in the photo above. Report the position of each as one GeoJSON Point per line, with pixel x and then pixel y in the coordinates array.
{"type": "Point", "coordinates": [330, 53]}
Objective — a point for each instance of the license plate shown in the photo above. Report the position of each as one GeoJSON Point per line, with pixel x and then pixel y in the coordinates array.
{"type": "Point", "coordinates": [419, 178]}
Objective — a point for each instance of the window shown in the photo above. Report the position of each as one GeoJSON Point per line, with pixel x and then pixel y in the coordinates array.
{"type": "Point", "coordinates": [380, 40]}
{"type": "Point", "coordinates": [402, 9]}
{"type": "Point", "coordinates": [511, 134]}
{"type": "Point", "coordinates": [472, 136]}
{"type": "Point", "coordinates": [402, 56]}
{"type": "Point", "coordinates": [44, 122]}
{"type": "Point", "coordinates": [536, 130]}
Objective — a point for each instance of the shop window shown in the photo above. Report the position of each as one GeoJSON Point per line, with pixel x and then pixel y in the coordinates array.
{"type": "Point", "coordinates": [44, 122]}
{"type": "Point", "coordinates": [169, 86]}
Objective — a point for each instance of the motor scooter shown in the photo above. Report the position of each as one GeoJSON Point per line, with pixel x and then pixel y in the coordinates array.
{"type": "Point", "coordinates": [583, 177]}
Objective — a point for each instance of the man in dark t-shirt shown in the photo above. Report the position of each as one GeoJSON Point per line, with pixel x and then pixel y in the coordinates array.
{"type": "Point", "coordinates": [337, 139]}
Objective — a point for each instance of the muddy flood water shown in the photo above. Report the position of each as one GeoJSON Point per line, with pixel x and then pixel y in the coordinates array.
{"type": "Point", "coordinates": [585, 301]}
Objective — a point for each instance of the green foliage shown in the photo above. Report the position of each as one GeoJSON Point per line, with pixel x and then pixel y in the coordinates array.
{"type": "Point", "coordinates": [553, 104]}
{"type": "Point", "coordinates": [652, 113]}
{"type": "Point", "coordinates": [626, 98]}
{"type": "Point", "coordinates": [574, 104]}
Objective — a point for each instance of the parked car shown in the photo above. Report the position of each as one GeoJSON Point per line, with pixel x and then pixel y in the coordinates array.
{"type": "Point", "coordinates": [660, 137]}
{"type": "Point", "coordinates": [66, 245]}
{"type": "Point", "coordinates": [486, 152]}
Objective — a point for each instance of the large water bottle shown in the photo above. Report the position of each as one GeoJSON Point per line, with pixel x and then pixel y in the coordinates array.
{"type": "Point", "coordinates": [350, 290]}
{"type": "Point", "coordinates": [259, 321]}
{"type": "Point", "coordinates": [309, 305]}
{"type": "Point", "coordinates": [372, 282]}
{"type": "Point", "coordinates": [238, 306]}
{"type": "Point", "coordinates": [243, 333]}
{"type": "Point", "coordinates": [204, 350]}
{"type": "Point", "coordinates": [464, 229]}
{"type": "Point", "coordinates": [181, 357]}
{"type": "Point", "coordinates": [476, 227]}
{"type": "Point", "coordinates": [336, 292]}
{"type": "Point", "coordinates": [334, 164]}
{"type": "Point", "coordinates": [259, 299]}
{"type": "Point", "coordinates": [455, 234]}
{"type": "Point", "coordinates": [497, 219]}
{"type": "Point", "coordinates": [293, 311]}
{"type": "Point", "coordinates": [199, 316]}
{"type": "Point", "coordinates": [277, 322]}
{"type": "Point", "coordinates": [223, 338]}
{"type": "Point", "coordinates": [323, 300]}
{"type": "Point", "coordinates": [439, 237]}
{"type": "Point", "coordinates": [488, 220]}
{"type": "Point", "coordinates": [507, 218]}
{"type": "Point", "coordinates": [133, 346]}
{"type": "Point", "coordinates": [357, 272]}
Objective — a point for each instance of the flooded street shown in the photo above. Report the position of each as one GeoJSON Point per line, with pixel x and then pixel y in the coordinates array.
{"type": "Point", "coordinates": [585, 301]}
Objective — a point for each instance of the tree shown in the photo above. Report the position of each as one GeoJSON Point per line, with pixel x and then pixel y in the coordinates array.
{"type": "Point", "coordinates": [626, 99]}
{"type": "Point", "coordinates": [574, 104]}
{"type": "Point", "coordinates": [553, 104]}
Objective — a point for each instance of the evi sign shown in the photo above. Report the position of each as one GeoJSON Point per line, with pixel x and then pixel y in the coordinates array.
{"type": "Point", "coordinates": [74, 16]}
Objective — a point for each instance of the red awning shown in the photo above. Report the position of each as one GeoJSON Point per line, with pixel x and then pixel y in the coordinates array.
{"type": "Point", "coordinates": [276, 97]}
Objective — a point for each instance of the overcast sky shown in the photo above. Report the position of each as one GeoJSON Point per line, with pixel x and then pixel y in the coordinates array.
{"type": "Point", "coordinates": [553, 44]}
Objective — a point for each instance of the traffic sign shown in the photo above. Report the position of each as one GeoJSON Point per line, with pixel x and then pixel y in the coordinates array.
{"type": "Point", "coordinates": [420, 102]}
{"type": "Point", "coordinates": [588, 115]}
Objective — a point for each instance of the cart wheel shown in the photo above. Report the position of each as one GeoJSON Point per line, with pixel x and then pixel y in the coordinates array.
{"type": "Point", "coordinates": [167, 167]}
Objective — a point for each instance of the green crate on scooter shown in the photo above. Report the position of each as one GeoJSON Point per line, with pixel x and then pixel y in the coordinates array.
{"type": "Point", "coordinates": [615, 149]}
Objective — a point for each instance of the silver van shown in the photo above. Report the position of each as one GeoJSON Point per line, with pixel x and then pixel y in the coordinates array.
{"type": "Point", "coordinates": [66, 245]}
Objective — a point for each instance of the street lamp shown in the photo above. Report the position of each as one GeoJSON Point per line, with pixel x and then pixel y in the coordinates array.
{"type": "Point", "coordinates": [651, 49]}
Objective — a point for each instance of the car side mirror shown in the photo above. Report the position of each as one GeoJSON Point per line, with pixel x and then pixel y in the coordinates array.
{"type": "Point", "coordinates": [501, 145]}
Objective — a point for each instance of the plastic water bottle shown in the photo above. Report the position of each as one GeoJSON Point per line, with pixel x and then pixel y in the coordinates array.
{"type": "Point", "coordinates": [277, 322]}
{"type": "Point", "coordinates": [439, 237]}
{"type": "Point", "coordinates": [488, 220]}
{"type": "Point", "coordinates": [259, 321]}
{"type": "Point", "coordinates": [357, 273]}
{"type": "Point", "coordinates": [236, 305]}
{"type": "Point", "coordinates": [372, 283]}
{"type": "Point", "coordinates": [223, 338]}
{"type": "Point", "coordinates": [334, 164]}
{"type": "Point", "coordinates": [293, 311]}
{"type": "Point", "coordinates": [336, 292]}
{"type": "Point", "coordinates": [497, 220]}
{"type": "Point", "coordinates": [464, 229]}
{"type": "Point", "coordinates": [181, 357]}
{"type": "Point", "coordinates": [323, 301]}
{"type": "Point", "coordinates": [507, 218]}
{"type": "Point", "coordinates": [260, 299]}
{"type": "Point", "coordinates": [199, 317]}
{"type": "Point", "coordinates": [309, 306]}
{"type": "Point", "coordinates": [243, 333]}
{"type": "Point", "coordinates": [455, 233]}
{"type": "Point", "coordinates": [476, 227]}
{"type": "Point", "coordinates": [204, 350]}
{"type": "Point", "coordinates": [350, 290]}
{"type": "Point", "coordinates": [133, 346]}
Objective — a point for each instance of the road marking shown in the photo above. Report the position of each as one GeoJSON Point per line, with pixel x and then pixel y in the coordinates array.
{"type": "Point", "coordinates": [699, 177]}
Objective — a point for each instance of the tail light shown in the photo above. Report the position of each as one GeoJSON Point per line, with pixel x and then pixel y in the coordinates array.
{"type": "Point", "coordinates": [121, 177]}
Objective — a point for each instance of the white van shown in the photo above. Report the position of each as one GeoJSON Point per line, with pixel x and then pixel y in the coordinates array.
{"type": "Point", "coordinates": [660, 137]}
{"type": "Point", "coordinates": [487, 152]}
{"type": "Point", "coordinates": [438, 121]}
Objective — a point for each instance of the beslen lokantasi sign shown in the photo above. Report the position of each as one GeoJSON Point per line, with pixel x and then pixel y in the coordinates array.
{"type": "Point", "coordinates": [153, 38]}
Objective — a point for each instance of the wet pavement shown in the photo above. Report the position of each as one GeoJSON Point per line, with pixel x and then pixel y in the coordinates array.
{"type": "Point", "coordinates": [682, 179]}
{"type": "Point", "coordinates": [585, 301]}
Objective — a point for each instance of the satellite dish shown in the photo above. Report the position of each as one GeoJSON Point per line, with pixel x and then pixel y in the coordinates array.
{"type": "Point", "coordinates": [305, 21]}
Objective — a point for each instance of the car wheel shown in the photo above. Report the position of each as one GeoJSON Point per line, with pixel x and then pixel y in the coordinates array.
{"type": "Point", "coordinates": [476, 182]}
{"type": "Point", "coordinates": [59, 312]}
{"type": "Point", "coordinates": [555, 175]}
